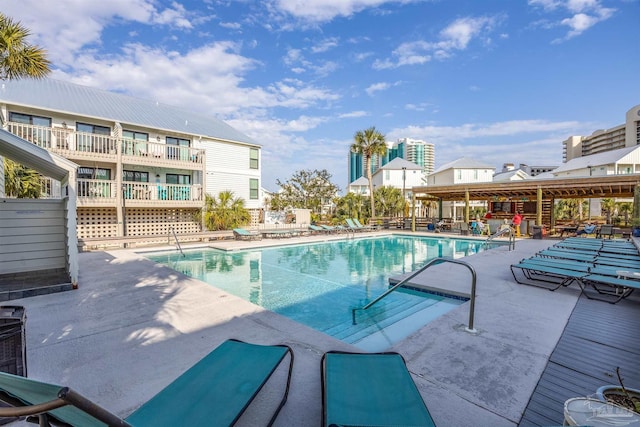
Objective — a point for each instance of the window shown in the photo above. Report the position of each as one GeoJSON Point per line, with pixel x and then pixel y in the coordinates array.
{"type": "Point", "coordinates": [94, 173]}
{"type": "Point", "coordinates": [40, 137]}
{"type": "Point", "coordinates": [475, 174]}
{"type": "Point", "coordinates": [459, 173]}
{"type": "Point", "coordinates": [135, 142]}
{"type": "Point", "coordinates": [89, 142]}
{"type": "Point", "coordinates": [175, 152]}
{"type": "Point", "coordinates": [29, 119]}
{"type": "Point", "coordinates": [253, 189]}
{"type": "Point", "coordinates": [93, 189]}
{"type": "Point", "coordinates": [135, 176]}
{"type": "Point", "coordinates": [253, 158]}
{"type": "Point", "coordinates": [178, 179]}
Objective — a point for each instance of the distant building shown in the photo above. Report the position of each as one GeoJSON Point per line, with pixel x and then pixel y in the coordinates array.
{"type": "Point", "coordinates": [417, 151]}
{"type": "Point", "coordinates": [530, 171]}
{"type": "Point", "coordinates": [601, 140]}
{"type": "Point", "coordinates": [413, 150]}
{"type": "Point", "coordinates": [461, 171]}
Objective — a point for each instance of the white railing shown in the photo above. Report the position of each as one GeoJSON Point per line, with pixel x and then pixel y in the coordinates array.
{"type": "Point", "coordinates": [64, 140]}
{"type": "Point", "coordinates": [139, 191]}
{"type": "Point", "coordinates": [50, 188]}
{"type": "Point", "coordinates": [96, 189]}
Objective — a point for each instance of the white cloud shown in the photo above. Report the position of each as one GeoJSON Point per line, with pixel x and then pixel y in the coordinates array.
{"type": "Point", "coordinates": [377, 87]}
{"type": "Point", "coordinates": [353, 114]}
{"type": "Point", "coordinates": [325, 45]}
{"type": "Point", "coordinates": [584, 14]}
{"type": "Point", "coordinates": [456, 36]}
{"type": "Point", "coordinates": [325, 10]}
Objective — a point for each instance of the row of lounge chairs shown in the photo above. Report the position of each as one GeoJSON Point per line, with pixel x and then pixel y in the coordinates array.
{"type": "Point", "coordinates": [352, 225]}
{"type": "Point", "coordinates": [357, 389]}
{"type": "Point", "coordinates": [606, 270]}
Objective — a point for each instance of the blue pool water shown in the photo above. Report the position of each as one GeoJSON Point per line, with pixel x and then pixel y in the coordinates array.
{"type": "Point", "coordinates": [318, 284]}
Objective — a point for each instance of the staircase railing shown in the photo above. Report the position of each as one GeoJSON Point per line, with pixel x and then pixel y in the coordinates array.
{"type": "Point", "coordinates": [175, 237]}
{"type": "Point", "coordinates": [434, 261]}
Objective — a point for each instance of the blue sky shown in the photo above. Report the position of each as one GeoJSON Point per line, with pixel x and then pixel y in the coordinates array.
{"type": "Point", "coordinates": [496, 80]}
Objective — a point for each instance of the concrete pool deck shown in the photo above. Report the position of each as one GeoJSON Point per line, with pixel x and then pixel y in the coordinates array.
{"type": "Point", "coordinates": [133, 326]}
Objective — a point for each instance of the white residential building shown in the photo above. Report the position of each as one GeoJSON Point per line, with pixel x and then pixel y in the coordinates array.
{"type": "Point", "coordinates": [143, 167]}
{"type": "Point", "coordinates": [399, 173]}
{"type": "Point", "coordinates": [461, 171]}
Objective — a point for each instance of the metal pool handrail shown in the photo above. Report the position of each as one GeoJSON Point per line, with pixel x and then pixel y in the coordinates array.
{"type": "Point", "coordinates": [175, 236]}
{"type": "Point", "coordinates": [414, 274]}
{"type": "Point", "coordinates": [511, 235]}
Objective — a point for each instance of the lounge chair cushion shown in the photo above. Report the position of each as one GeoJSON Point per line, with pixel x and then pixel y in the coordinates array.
{"type": "Point", "coordinates": [370, 390]}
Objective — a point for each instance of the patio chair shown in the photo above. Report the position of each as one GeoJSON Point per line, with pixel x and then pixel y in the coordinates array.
{"type": "Point", "coordinates": [605, 230]}
{"type": "Point", "coordinates": [242, 234]}
{"type": "Point", "coordinates": [215, 391]}
{"type": "Point", "coordinates": [375, 389]}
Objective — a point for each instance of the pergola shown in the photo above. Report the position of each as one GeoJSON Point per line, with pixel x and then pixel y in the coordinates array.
{"type": "Point", "coordinates": [606, 186]}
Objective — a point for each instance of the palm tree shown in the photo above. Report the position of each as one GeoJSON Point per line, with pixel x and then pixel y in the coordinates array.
{"type": "Point", "coordinates": [369, 142]}
{"type": "Point", "coordinates": [20, 181]}
{"type": "Point", "coordinates": [225, 212]}
{"type": "Point", "coordinates": [18, 58]}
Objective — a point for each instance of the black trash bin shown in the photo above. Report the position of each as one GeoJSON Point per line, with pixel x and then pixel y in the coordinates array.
{"type": "Point", "coordinates": [13, 346]}
{"type": "Point", "coordinates": [538, 231]}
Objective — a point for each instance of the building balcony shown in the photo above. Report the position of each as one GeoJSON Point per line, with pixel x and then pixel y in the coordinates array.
{"type": "Point", "coordinates": [96, 192]}
{"type": "Point", "coordinates": [106, 148]}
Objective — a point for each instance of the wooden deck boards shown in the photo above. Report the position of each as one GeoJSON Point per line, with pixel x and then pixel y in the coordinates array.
{"type": "Point", "coordinates": [598, 338]}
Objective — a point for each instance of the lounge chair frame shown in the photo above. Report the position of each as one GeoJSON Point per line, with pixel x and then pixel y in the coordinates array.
{"type": "Point", "coordinates": [91, 414]}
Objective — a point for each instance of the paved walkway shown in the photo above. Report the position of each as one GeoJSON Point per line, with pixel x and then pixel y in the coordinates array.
{"type": "Point", "coordinates": [133, 326]}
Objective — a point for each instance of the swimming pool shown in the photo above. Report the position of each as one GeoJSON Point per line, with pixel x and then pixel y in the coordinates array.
{"type": "Point", "coordinates": [318, 284]}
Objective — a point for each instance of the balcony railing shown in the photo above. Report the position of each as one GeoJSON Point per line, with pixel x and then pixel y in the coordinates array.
{"type": "Point", "coordinates": [100, 191]}
{"type": "Point", "coordinates": [69, 143]}
{"type": "Point", "coordinates": [161, 192]}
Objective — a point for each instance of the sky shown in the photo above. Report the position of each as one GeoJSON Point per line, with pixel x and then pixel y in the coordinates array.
{"type": "Point", "coordinates": [500, 81]}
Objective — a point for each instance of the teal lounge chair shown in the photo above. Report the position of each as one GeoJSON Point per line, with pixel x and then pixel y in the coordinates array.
{"type": "Point", "coordinates": [315, 229]}
{"type": "Point", "coordinates": [214, 392]}
{"type": "Point", "coordinates": [364, 227]}
{"type": "Point", "coordinates": [242, 234]}
{"type": "Point", "coordinates": [352, 225]}
{"type": "Point", "coordinates": [374, 389]}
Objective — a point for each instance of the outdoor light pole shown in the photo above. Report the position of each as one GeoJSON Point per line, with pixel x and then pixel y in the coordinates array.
{"type": "Point", "coordinates": [404, 179]}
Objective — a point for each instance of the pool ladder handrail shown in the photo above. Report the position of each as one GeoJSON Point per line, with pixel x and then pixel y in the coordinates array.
{"type": "Point", "coordinates": [472, 299]}
{"type": "Point", "coordinates": [175, 236]}
{"type": "Point", "coordinates": [511, 234]}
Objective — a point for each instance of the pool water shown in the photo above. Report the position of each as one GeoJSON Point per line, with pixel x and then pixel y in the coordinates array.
{"type": "Point", "coordinates": [318, 284]}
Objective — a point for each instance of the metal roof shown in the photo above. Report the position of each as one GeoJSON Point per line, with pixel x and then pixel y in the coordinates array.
{"type": "Point", "coordinates": [464, 163]}
{"type": "Point", "coordinates": [398, 163]}
{"type": "Point", "coordinates": [600, 159]}
{"type": "Point", "coordinates": [556, 188]}
{"type": "Point", "coordinates": [61, 96]}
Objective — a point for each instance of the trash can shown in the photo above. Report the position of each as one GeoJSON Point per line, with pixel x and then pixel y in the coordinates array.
{"type": "Point", "coordinates": [538, 231]}
{"type": "Point", "coordinates": [13, 347]}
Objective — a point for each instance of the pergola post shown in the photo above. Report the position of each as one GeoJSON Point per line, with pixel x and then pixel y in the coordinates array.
{"type": "Point", "coordinates": [539, 207]}
{"type": "Point", "coordinates": [466, 205]}
{"type": "Point", "coordinates": [636, 202]}
{"type": "Point", "coordinates": [413, 211]}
